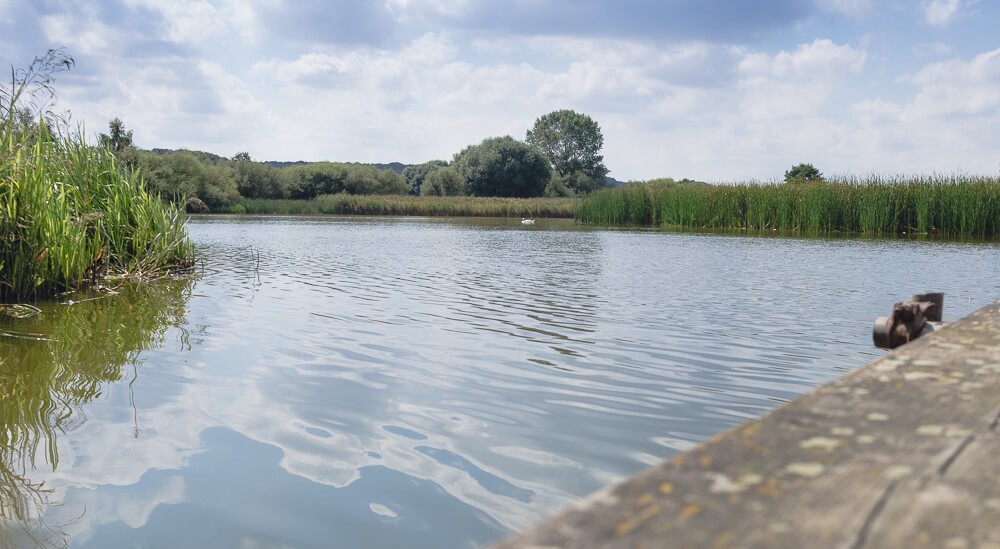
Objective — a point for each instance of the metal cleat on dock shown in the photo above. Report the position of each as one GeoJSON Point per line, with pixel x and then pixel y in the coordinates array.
{"type": "Point", "coordinates": [909, 320]}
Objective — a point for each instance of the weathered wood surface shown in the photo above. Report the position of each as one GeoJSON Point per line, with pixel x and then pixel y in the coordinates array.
{"type": "Point", "coordinates": [904, 452]}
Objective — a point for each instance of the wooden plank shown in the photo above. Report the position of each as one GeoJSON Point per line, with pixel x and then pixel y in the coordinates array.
{"type": "Point", "coordinates": [904, 452]}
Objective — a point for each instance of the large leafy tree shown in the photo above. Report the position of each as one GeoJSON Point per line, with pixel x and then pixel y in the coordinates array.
{"type": "Point", "coordinates": [803, 172]}
{"type": "Point", "coordinates": [503, 166]}
{"type": "Point", "coordinates": [572, 142]}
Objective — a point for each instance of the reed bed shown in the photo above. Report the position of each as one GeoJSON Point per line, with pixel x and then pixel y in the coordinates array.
{"type": "Point", "coordinates": [954, 206]}
{"type": "Point", "coordinates": [70, 215]}
{"type": "Point", "coordinates": [457, 206]}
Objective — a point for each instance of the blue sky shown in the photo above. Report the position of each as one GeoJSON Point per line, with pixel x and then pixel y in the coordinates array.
{"type": "Point", "coordinates": [723, 90]}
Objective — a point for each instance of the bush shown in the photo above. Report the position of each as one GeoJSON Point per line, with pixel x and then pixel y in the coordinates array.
{"type": "Point", "coordinates": [503, 166]}
{"type": "Point", "coordinates": [443, 182]}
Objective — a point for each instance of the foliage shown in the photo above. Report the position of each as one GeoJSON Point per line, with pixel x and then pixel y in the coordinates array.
{"type": "Point", "coordinates": [455, 206]}
{"type": "Point", "coordinates": [557, 187]}
{"type": "Point", "coordinates": [503, 166]}
{"type": "Point", "coordinates": [573, 184]}
{"type": "Point", "coordinates": [118, 140]}
{"type": "Point", "coordinates": [443, 182]}
{"type": "Point", "coordinates": [69, 214]}
{"type": "Point", "coordinates": [415, 175]}
{"type": "Point", "coordinates": [23, 125]}
{"type": "Point", "coordinates": [572, 142]}
{"type": "Point", "coordinates": [31, 96]}
{"type": "Point", "coordinates": [178, 175]}
{"type": "Point", "coordinates": [959, 206]}
{"type": "Point", "coordinates": [311, 180]}
{"type": "Point", "coordinates": [220, 182]}
{"type": "Point", "coordinates": [259, 180]}
{"type": "Point", "coordinates": [803, 172]}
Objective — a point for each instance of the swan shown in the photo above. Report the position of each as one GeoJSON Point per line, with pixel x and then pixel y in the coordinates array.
{"type": "Point", "coordinates": [527, 221]}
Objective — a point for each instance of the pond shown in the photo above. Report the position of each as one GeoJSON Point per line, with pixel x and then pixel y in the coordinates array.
{"type": "Point", "coordinates": [421, 382]}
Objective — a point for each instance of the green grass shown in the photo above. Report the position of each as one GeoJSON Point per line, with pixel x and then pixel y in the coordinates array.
{"type": "Point", "coordinates": [458, 206]}
{"type": "Point", "coordinates": [69, 215]}
{"type": "Point", "coordinates": [955, 206]}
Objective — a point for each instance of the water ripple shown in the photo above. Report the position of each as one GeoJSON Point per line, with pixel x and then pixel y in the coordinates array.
{"type": "Point", "coordinates": [434, 367]}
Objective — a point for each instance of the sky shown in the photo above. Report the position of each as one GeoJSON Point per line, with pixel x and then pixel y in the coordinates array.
{"type": "Point", "coordinates": [715, 90]}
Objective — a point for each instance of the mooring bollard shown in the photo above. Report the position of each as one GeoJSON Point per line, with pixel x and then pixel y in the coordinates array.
{"type": "Point", "coordinates": [909, 320]}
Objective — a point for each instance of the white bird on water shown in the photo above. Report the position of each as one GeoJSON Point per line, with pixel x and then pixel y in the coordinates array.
{"type": "Point", "coordinates": [527, 221]}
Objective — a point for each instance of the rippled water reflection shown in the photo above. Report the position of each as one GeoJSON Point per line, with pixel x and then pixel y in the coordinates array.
{"type": "Point", "coordinates": [353, 382]}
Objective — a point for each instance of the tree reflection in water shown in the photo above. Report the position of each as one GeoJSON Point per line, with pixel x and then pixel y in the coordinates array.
{"type": "Point", "coordinates": [54, 363]}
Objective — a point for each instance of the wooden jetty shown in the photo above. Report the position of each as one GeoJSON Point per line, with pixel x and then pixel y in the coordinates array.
{"type": "Point", "coordinates": [904, 452]}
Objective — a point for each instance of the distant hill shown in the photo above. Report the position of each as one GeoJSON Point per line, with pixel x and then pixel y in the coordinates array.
{"type": "Point", "coordinates": [211, 157]}
{"type": "Point", "coordinates": [394, 166]}
{"type": "Point", "coordinates": [283, 164]}
{"type": "Point", "coordinates": [397, 167]}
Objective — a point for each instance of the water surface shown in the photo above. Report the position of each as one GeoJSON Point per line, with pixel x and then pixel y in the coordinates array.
{"type": "Point", "coordinates": [384, 382]}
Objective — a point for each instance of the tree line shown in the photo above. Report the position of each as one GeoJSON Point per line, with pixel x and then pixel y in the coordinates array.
{"type": "Point", "coordinates": [559, 157]}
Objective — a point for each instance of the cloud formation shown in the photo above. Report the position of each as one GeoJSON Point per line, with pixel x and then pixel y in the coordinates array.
{"type": "Point", "coordinates": [734, 90]}
{"type": "Point", "coordinates": [940, 12]}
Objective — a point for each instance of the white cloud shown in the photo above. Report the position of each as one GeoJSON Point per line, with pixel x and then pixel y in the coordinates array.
{"type": "Point", "coordinates": [208, 80]}
{"type": "Point", "coordinates": [958, 87]}
{"type": "Point", "coordinates": [935, 49]}
{"type": "Point", "coordinates": [941, 12]}
{"type": "Point", "coordinates": [5, 11]}
{"type": "Point", "coordinates": [820, 59]}
{"type": "Point", "coordinates": [946, 124]}
{"type": "Point", "coordinates": [796, 83]}
{"type": "Point", "coordinates": [185, 21]}
{"type": "Point", "coordinates": [877, 110]}
{"type": "Point", "coordinates": [432, 103]}
{"type": "Point", "coordinates": [427, 51]}
{"type": "Point", "coordinates": [850, 8]}
{"type": "Point", "coordinates": [413, 11]}
{"type": "Point", "coordinates": [81, 35]}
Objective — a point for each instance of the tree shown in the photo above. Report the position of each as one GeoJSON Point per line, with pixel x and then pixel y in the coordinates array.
{"type": "Point", "coordinates": [415, 175]}
{"type": "Point", "coordinates": [572, 142]}
{"type": "Point", "coordinates": [186, 174]}
{"type": "Point", "coordinates": [503, 166]}
{"type": "Point", "coordinates": [119, 142]}
{"type": "Point", "coordinates": [22, 125]}
{"type": "Point", "coordinates": [118, 138]}
{"type": "Point", "coordinates": [307, 181]}
{"type": "Point", "coordinates": [258, 180]}
{"type": "Point", "coordinates": [443, 182]}
{"type": "Point", "coordinates": [803, 172]}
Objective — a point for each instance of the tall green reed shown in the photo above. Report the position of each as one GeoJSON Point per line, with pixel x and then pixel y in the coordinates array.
{"type": "Point", "coordinates": [70, 214]}
{"type": "Point", "coordinates": [949, 205]}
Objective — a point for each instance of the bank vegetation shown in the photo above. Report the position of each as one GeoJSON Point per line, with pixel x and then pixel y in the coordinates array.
{"type": "Point", "coordinates": [69, 213]}
{"type": "Point", "coordinates": [947, 205]}
{"type": "Point", "coordinates": [454, 206]}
